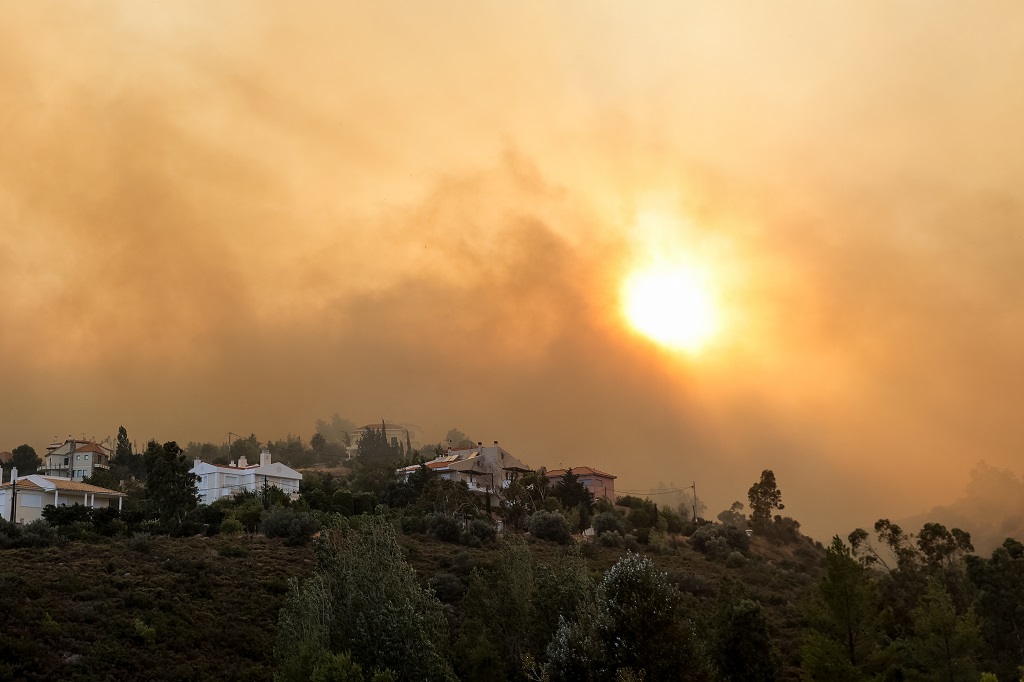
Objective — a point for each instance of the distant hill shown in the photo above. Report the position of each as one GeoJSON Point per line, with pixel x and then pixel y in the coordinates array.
{"type": "Point", "coordinates": [991, 509]}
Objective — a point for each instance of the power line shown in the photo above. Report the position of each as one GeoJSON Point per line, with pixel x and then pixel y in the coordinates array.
{"type": "Point", "coordinates": [657, 491]}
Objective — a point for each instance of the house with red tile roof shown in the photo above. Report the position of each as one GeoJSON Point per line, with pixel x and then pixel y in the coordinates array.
{"type": "Point", "coordinates": [599, 483]}
{"type": "Point", "coordinates": [75, 459]}
{"type": "Point", "coordinates": [485, 469]}
{"type": "Point", "coordinates": [23, 497]}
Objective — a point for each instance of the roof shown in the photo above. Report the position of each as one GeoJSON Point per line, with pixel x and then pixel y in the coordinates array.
{"type": "Point", "coordinates": [64, 484]}
{"type": "Point", "coordinates": [579, 471]}
{"type": "Point", "coordinates": [92, 447]}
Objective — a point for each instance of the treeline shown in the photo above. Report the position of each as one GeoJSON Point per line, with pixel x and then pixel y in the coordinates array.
{"type": "Point", "coordinates": [917, 607]}
{"type": "Point", "coordinates": [364, 616]}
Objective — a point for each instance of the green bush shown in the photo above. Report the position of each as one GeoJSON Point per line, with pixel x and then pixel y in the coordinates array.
{"type": "Point", "coordinates": [443, 527]}
{"type": "Point", "coordinates": [231, 526]}
{"type": "Point", "coordinates": [281, 522]}
{"type": "Point", "coordinates": [610, 538]}
{"type": "Point", "coordinates": [483, 530]}
{"type": "Point", "coordinates": [609, 522]}
{"type": "Point", "coordinates": [141, 542]}
{"type": "Point", "coordinates": [549, 526]}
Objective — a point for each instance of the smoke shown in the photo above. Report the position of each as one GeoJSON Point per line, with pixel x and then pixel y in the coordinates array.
{"type": "Point", "coordinates": [233, 216]}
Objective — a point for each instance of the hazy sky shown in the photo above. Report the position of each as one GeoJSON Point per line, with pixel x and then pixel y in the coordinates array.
{"type": "Point", "coordinates": [238, 216]}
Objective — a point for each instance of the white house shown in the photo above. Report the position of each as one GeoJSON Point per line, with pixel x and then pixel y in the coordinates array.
{"type": "Point", "coordinates": [29, 494]}
{"type": "Point", "coordinates": [485, 469]}
{"type": "Point", "coordinates": [223, 480]}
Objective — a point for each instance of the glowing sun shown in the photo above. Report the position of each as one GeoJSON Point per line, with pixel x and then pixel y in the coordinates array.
{"type": "Point", "coordinates": [672, 305]}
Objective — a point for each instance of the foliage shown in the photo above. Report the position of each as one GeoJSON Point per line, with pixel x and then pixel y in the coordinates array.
{"type": "Point", "coordinates": [945, 645]}
{"type": "Point", "coordinates": [634, 626]}
{"type": "Point", "coordinates": [170, 487]}
{"type": "Point", "coordinates": [296, 526]}
{"type": "Point", "coordinates": [373, 447]}
{"type": "Point", "coordinates": [364, 599]}
{"type": "Point", "coordinates": [718, 541]}
{"type": "Point", "coordinates": [844, 618]}
{"type": "Point", "coordinates": [125, 460]}
{"type": "Point", "coordinates": [999, 581]}
{"type": "Point", "coordinates": [609, 522]}
{"type": "Point", "coordinates": [733, 516]}
{"type": "Point", "coordinates": [574, 495]}
{"type": "Point", "coordinates": [25, 460]}
{"type": "Point", "coordinates": [764, 496]}
{"type": "Point", "coordinates": [742, 645]}
{"type": "Point", "coordinates": [549, 526]}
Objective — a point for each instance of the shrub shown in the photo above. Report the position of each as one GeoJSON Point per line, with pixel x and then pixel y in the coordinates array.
{"type": "Point", "coordinates": [610, 538]}
{"type": "Point", "coordinates": [65, 516]}
{"type": "Point", "coordinates": [717, 541]}
{"type": "Point", "coordinates": [232, 551]}
{"type": "Point", "coordinates": [549, 526]}
{"type": "Point", "coordinates": [447, 587]}
{"type": "Point", "coordinates": [231, 526]}
{"type": "Point", "coordinates": [483, 530]}
{"type": "Point", "coordinates": [141, 542]}
{"type": "Point", "coordinates": [735, 559]}
{"type": "Point", "coordinates": [443, 527]}
{"type": "Point", "coordinates": [281, 522]}
{"type": "Point", "coordinates": [609, 522]}
{"type": "Point", "coordinates": [144, 632]}
{"type": "Point", "coordinates": [413, 523]}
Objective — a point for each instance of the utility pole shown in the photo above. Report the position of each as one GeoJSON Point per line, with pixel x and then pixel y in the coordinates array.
{"type": "Point", "coordinates": [694, 486]}
{"type": "Point", "coordinates": [14, 494]}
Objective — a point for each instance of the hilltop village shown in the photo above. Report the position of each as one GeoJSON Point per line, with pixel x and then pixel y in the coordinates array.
{"type": "Point", "coordinates": [364, 557]}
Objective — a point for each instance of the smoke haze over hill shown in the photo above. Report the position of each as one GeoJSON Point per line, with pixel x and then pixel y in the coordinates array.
{"type": "Point", "coordinates": [235, 216]}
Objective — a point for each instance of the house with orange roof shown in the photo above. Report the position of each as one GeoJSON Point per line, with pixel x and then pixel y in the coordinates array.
{"type": "Point", "coordinates": [75, 459]}
{"type": "Point", "coordinates": [224, 480]}
{"type": "Point", "coordinates": [23, 498]}
{"type": "Point", "coordinates": [486, 469]}
{"type": "Point", "coordinates": [600, 484]}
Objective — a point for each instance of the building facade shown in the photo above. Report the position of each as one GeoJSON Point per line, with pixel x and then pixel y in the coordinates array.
{"type": "Point", "coordinates": [224, 480]}
{"type": "Point", "coordinates": [75, 459]}
{"type": "Point", "coordinates": [23, 498]}
{"type": "Point", "coordinates": [600, 484]}
{"type": "Point", "coordinates": [486, 470]}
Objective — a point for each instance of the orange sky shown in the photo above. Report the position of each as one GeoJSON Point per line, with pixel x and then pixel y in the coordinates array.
{"type": "Point", "coordinates": [233, 216]}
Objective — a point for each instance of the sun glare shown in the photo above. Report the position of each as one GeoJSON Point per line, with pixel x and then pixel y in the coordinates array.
{"type": "Point", "coordinates": [672, 306]}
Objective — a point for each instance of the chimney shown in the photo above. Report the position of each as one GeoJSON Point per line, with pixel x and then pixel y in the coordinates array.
{"type": "Point", "coordinates": [14, 474]}
{"type": "Point", "coordinates": [232, 463]}
{"type": "Point", "coordinates": [265, 457]}
{"type": "Point", "coordinates": [197, 462]}
{"type": "Point", "coordinates": [495, 442]}
{"type": "Point", "coordinates": [242, 462]}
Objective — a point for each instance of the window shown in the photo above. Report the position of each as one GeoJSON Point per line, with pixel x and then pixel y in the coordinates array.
{"type": "Point", "coordinates": [87, 458]}
{"type": "Point", "coordinates": [33, 500]}
{"type": "Point", "coordinates": [78, 457]}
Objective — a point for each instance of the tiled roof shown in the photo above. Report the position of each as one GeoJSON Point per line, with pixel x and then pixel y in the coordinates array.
{"type": "Point", "coordinates": [92, 447]}
{"type": "Point", "coordinates": [26, 484]}
{"type": "Point", "coordinates": [65, 485]}
{"type": "Point", "coordinates": [76, 486]}
{"type": "Point", "coordinates": [579, 471]}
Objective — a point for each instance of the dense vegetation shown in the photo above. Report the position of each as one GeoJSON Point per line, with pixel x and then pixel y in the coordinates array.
{"type": "Point", "coordinates": [368, 577]}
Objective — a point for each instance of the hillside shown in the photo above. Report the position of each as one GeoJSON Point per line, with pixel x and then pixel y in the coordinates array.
{"type": "Point", "coordinates": [207, 608]}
